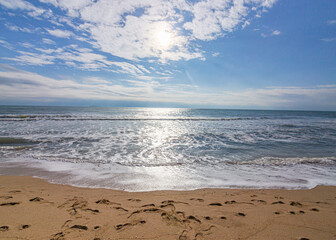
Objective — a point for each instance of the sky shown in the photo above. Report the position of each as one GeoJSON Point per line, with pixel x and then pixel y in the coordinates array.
{"type": "Point", "coordinates": [243, 54]}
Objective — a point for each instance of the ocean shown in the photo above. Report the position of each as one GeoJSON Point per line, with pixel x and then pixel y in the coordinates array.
{"type": "Point", "coordinates": [145, 149]}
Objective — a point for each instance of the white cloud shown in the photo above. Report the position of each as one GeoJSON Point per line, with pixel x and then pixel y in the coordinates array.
{"type": "Point", "coordinates": [54, 21]}
{"type": "Point", "coordinates": [328, 39]}
{"type": "Point", "coordinates": [332, 22]}
{"type": "Point", "coordinates": [94, 80]}
{"type": "Point", "coordinates": [246, 23]}
{"type": "Point", "coordinates": [153, 31]}
{"type": "Point", "coordinates": [60, 33]}
{"type": "Point", "coordinates": [15, 84]}
{"type": "Point", "coordinates": [6, 44]}
{"type": "Point", "coordinates": [27, 85]}
{"type": "Point", "coordinates": [142, 68]}
{"type": "Point", "coordinates": [215, 18]}
{"type": "Point", "coordinates": [83, 58]}
{"type": "Point", "coordinates": [275, 33]}
{"type": "Point", "coordinates": [327, 86]}
{"type": "Point", "coordinates": [48, 41]}
{"type": "Point", "coordinates": [215, 54]}
{"type": "Point", "coordinates": [19, 29]}
{"type": "Point", "coordinates": [28, 58]}
{"type": "Point", "coordinates": [27, 45]}
{"type": "Point", "coordinates": [126, 67]}
{"type": "Point", "coordinates": [267, 3]}
{"type": "Point", "coordinates": [22, 5]}
{"type": "Point", "coordinates": [71, 6]}
{"type": "Point", "coordinates": [119, 31]}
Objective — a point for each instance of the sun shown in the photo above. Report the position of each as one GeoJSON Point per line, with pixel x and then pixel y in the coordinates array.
{"type": "Point", "coordinates": [164, 38]}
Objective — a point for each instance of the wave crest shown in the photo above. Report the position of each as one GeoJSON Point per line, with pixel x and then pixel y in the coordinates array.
{"type": "Point", "coordinates": [277, 161]}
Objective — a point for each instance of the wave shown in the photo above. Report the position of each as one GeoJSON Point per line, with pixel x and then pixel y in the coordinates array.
{"type": "Point", "coordinates": [15, 141]}
{"type": "Point", "coordinates": [66, 159]}
{"type": "Point", "coordinates": [277, 161]}
{"type": "Point", "coordinates": [98, 162]}
{"type": "Point", "coordinates": [99, 118]}
{"type": "Point", "coordinates": [14, 148]}
{"type": "Point", "coordinates": [264, 162]}
{"type": "Point", "coordinates": [167, 177]}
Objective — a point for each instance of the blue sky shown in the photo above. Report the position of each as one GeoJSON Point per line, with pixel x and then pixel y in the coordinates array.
{"type": "Point", "coordinates": [257, 54]}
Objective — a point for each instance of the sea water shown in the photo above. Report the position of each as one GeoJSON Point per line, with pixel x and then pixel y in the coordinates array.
{"type": "Point", "coordinates": [144, 149]}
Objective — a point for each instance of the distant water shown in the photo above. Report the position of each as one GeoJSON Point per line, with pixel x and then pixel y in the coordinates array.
{"type": "Point", "coordinates": [140, 149]}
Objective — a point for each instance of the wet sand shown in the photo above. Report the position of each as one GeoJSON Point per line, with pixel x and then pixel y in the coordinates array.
{"type": "Point", "coordinates": [32, 208]}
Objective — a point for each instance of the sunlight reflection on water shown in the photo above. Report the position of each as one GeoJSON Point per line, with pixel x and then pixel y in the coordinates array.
{"type": "Point", "coordinates": [155, 148]}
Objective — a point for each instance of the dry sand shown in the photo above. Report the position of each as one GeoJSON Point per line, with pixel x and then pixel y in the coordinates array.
{"type": "Point", "coordinates": [32, 208]}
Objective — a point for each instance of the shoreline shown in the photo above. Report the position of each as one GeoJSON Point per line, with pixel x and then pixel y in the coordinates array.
{"type": "Point", "coordinates": [32, 208]}
{"type": "Point", "coordinates": [139, 179]}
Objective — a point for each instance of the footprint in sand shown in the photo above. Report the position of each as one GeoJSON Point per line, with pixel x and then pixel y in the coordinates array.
{"type": "Point", "coordinates": [278, 202]}
{"type": "Point", "coordinates": [148, 210]}
{"type": "Point", "coordinates": [134, 200]}
{"type": "Point", "coordinates": [121, 208]}
{"type": "Point", "coordinates": [258, 200]}
{"type": "Point", "coordinates": [297, 204]}
{"type": "Point", "coordinates": [181, 214]}
{"type": "Point", "coordinates": [103, 201]}
{"type": "Point", "coordinates": [215, 204]}
{"type": "Point", "coordinates": [151, 210]}
{"type": "Point", "coordinates": [4, 228]}
{"type": "Point", "coordinates": [230, 202]}
{"type": "Point", "coordinates": [74, 205]}
{"type": "Point", "coordinates": [314, 210]}
{"type": "Point", "coordinates": [199, 236]}
{"type": "Point", "coordinates": [183, 235]}
{"type": "Point", "coordinates": [197, 199]}
{"type": "Point", "coordinates": [168, 205]}
{"type": "Point", "coordinates": [194, 219]}
{"type": "Point", "coordinates": [36, 199]}
{"type": "Point", "coordinates": [241, 214]}
{"type": "Point", "coordinates": [149, 205]}
{"type": "Point", "coordinates": [80, 227]}
{"type": "Point", "coordinates": [57, 236]}
{"type": "Point", "coordinates": [106, 202]}
{"type": "Point", "coordinates": [122, 226]}
{"type": "Point", "coordinates": [92, 210]}
{"type": "Point", "coordinates": [66, 223]}
{"type": "Point", "coordinates": [9, 204]}
{"type": "Point", "coordinates": [15, 191]}
{"type": "Point", "coordinates": [24, 226]}
{"type": "Point", "coordinates": [167, 202]}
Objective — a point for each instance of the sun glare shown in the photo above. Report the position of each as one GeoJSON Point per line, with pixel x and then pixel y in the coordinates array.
{"type": "Point", "coordinates": [163, 38]}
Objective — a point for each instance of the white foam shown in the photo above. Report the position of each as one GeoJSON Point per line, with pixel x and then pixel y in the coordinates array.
{"type": "Point", "coordinates": [183, 177]}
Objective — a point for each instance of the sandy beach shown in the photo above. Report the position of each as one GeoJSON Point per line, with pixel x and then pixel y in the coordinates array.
{"type": "Point", "coordinates": [32, 208]}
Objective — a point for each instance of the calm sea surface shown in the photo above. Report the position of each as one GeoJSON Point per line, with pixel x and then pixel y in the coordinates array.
{"type": "Point", "coordinates": [139, 149]}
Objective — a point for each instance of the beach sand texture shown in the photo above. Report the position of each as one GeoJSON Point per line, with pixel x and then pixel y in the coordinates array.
{"type": "Point", "coordinates": [32, 208]}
